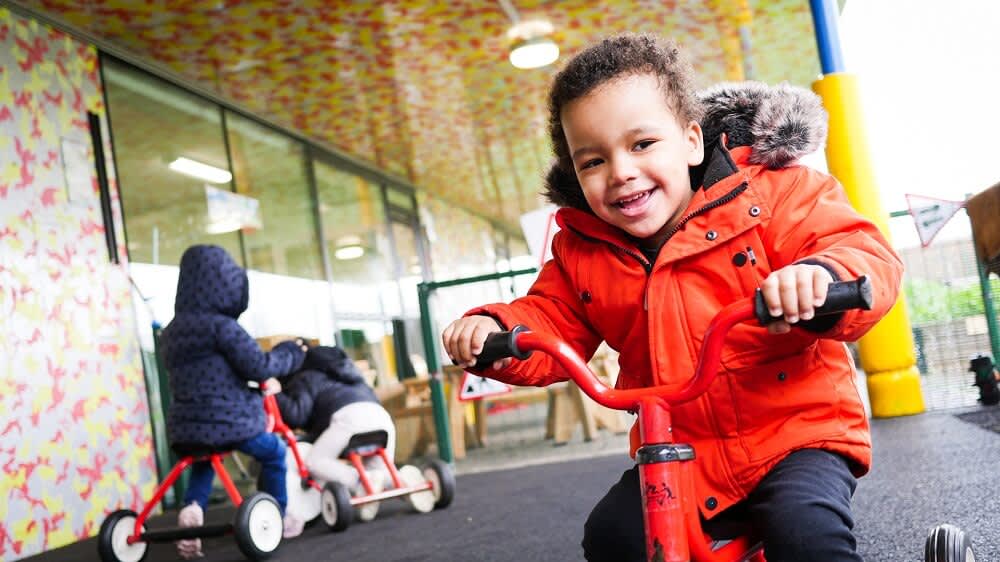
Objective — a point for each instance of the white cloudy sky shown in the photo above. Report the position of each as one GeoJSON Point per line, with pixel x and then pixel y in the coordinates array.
{"type": "Point", "coordinates": [929, 73]}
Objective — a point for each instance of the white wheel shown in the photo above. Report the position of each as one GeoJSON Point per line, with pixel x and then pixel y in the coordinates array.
{"type": "Point", "coordinates": [337, 510]}
{"type": "Point", "coordinates": [442, 478]}
{"type": "Point", "coordinates": [368, 511]}
{"type": "Point", "coordinates": [422, 502]}
{"type": "Point", "coordinates": [112, 542]}
{"type": "Point", "coordinates": [258, 526]}
{"type": "Point", "coordinates": [304, 503]}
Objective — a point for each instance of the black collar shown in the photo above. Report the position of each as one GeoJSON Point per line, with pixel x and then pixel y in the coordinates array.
{"type": "Point", "coordinates": [716, 166]}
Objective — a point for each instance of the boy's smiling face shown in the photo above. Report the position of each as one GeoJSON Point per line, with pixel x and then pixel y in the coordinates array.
{"type": "Point", "coordinates": [632, 155]}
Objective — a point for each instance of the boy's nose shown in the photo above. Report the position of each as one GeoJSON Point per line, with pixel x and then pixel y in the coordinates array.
{"type": "Point", "coordinates": [622, 171]}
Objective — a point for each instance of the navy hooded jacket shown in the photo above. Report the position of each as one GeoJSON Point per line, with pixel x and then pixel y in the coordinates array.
{"type": "Point", "coordinates": [210, 358]}
{"type": "Point", "coordinates": [328, 381]}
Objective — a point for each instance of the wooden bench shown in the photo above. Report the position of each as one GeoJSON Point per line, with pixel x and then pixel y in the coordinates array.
{"type": "Point", "coordinates": [409, 404]}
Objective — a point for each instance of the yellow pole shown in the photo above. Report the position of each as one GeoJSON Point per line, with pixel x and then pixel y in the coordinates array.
{"type": "Point", "coordinates": [887, 355]}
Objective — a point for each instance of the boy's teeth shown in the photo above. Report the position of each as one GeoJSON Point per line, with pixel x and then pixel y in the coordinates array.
{"type": "Point", "coordinates": [633, 199]}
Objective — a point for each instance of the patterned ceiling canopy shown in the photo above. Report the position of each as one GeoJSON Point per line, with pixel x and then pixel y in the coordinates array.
{"type": "Point", "coordinates": [423, 88]}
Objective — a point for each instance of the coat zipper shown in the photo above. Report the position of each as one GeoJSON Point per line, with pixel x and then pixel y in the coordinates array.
{"type": "Point", "coordinates": [708, 207]}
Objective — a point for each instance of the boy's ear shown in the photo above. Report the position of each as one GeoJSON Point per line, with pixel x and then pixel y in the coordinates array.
{"type": "Point", "coordinates": [696, 143]}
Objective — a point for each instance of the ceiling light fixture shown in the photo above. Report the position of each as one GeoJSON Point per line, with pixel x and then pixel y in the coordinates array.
{"type": "Point", "coordinates": [349, 248]}
{"type": "Point", "coordinates": [349, 253]}
{"type": "Point", "coordinates": [201, 171]}
{"type": "Point", "coordinates": [530, 44]}
{"type": "Point", "coordinates": [533, 53]}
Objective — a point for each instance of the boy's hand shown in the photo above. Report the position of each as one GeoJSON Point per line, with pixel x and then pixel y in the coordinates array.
{"type": "Point", "coordinates": [270, 386]}
{"type": "Point", "coordinates": [794, 292]}
{"type": "Point", "coordinates": [463, 340]}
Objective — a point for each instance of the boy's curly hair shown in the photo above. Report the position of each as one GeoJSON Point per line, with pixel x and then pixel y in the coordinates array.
{"type": "Point", "coordinates": [619, 56]}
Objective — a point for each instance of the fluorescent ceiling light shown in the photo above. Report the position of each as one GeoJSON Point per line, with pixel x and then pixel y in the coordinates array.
{"type": "Point", "coordinates": [201, 171]}
{"type": "Point", "coordinates": [534, 53]}
{"type": "Point", "coordinates": [349, 252]}
{"type": "Point", "coordinates": [349, 247]}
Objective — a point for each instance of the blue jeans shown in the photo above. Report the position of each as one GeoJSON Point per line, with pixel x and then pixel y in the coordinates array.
{"type": "Point", "coordinates": [267, 448]}
{"type": "Point", "coordinates": [801, 510]}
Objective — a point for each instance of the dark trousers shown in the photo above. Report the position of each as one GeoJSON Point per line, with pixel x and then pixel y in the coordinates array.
{"type": "Point", "coordinates": [801, 511]}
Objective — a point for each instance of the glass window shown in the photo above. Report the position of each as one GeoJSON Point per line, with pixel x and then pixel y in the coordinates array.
{"type": "Point", "coordinates": [170, 157]}
{"type": "Point", "coordinates": [461, 244]}
{"type": "Point", "coordinates": [272, 192]}
{"type": "Point", "coordinates": [365, 292]}
{"type": "Point", "coordinates": [410, 271]}
{"type": "Point", "coordinates": [400, 199]}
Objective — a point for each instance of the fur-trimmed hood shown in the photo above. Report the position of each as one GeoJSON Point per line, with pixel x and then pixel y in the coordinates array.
{"type": "Point", "coordinates": [780, 123]}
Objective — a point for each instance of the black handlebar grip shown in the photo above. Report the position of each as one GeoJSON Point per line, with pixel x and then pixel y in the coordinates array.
{"type": "Point", "coordinates": [840, 296]}
{"type": "Point", "coordinates": [500, 345]}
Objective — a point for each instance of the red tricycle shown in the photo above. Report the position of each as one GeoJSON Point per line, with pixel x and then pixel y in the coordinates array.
{"type": "Point", "coordinates": [257, 524]}
{"type": "Point", "coordinates": [672, 524]}
{"type": "Point", "coordinates": [426, 490]}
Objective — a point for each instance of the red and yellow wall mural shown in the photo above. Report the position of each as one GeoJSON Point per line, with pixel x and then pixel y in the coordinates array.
{"type": "Point", "coordinates": [75, 440]}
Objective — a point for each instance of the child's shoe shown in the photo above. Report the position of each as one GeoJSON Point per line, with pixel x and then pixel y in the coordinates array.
{"type": "Point", "coordinates": [190, 516]}
{"type": "Point", "coordinates": [293, 526]}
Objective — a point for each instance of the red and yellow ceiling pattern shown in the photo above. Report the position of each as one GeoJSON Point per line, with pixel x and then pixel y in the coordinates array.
{"type": "Point", "coordinates": [423, 89]}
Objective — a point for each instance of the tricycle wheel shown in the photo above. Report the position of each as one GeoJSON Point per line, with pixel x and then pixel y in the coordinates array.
{"type": "Point", "coordinates": [336, 506]}
{"type": "Point", "coordinates": [303, 499]}
{"type": "Point", "coordinates": [421, 502]}
{"type": "Point", "coordinates": [112, 540]}
{"type": "Point", "coordinates": [948, 543]}
{"type": "Point", "coordinates": [442, 477]}
{"type": "Point", "coordinates": [367, 512]}
{"type": "Point", "coordinates": [258, 526]}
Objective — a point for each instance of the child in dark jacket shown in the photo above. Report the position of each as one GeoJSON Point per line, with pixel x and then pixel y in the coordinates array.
{"type": "Point", "coordinates": [210, 360]}
{"type": "Point", "coordinates": [331, 401]}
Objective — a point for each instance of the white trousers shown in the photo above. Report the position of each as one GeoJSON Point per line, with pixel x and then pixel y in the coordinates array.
{"type": "Point", "coordinates": [323, 461]}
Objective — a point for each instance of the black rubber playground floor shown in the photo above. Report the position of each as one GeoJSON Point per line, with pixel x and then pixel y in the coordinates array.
{"type": "Point", "coordinates": [929, 469]}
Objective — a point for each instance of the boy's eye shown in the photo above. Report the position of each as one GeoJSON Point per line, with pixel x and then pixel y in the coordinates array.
{"type": "Point", "coordinates": [590, 163]}
{"type": "Point", "coordinates": [644, 144]}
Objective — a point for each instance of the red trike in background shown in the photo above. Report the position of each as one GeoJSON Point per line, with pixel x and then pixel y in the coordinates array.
{"type": "Point", "coordinates": [426, 490]}
{"type": "Point", "coordinates": [257, 524]}
{"type": "Point", "coordinates": [672, 524]}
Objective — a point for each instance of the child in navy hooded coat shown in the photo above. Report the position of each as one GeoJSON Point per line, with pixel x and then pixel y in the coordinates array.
{"type": "Point", "coordinates": [210, 360]}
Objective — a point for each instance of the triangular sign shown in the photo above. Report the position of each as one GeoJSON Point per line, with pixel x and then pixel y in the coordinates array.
{"type": "Point", "coordinates": [930, 215]}
{"type": "Point", "coordinates": [474, 386]}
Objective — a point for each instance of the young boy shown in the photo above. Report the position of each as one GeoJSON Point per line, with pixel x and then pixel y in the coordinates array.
{"type": "Point", "coordinates": [659, 232]}
{"type": "Point", "coordinates": [210, 359]}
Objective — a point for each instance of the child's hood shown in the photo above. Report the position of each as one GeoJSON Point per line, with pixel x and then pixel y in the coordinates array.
{"type": "Point", "coordinates": [210, 281]}
{"type": "Point", "coordinates": [780, 123]}
{"type": "Point", "coordinates": [333, 361]}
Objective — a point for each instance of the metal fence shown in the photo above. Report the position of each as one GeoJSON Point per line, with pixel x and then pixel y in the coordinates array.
{"type": "Point", "coordinates": [944, 297]}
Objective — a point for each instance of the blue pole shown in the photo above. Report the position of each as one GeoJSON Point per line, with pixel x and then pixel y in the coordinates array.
{"type": "Point", "coordinates": [825, 14]}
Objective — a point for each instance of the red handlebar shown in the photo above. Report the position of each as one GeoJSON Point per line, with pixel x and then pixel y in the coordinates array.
{"type": "Point", "coordinates": [520, 342]}
{"type": "Point", "coordinates": [708, 363]}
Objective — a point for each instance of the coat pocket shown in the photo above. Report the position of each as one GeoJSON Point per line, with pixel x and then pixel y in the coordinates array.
{"type": "Point", "coordinates": [782, 404]}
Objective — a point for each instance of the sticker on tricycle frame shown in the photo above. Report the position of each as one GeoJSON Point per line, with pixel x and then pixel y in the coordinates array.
{"type": "Point", "coordinates": [659, 497]}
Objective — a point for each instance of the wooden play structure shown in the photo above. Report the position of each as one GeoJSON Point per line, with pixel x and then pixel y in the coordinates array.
{"type": "Point", "coordinates": [984, 213]}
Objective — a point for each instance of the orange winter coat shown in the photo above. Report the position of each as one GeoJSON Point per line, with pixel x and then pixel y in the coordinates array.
{"type": "Point", "coordinates": [776, 393]}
